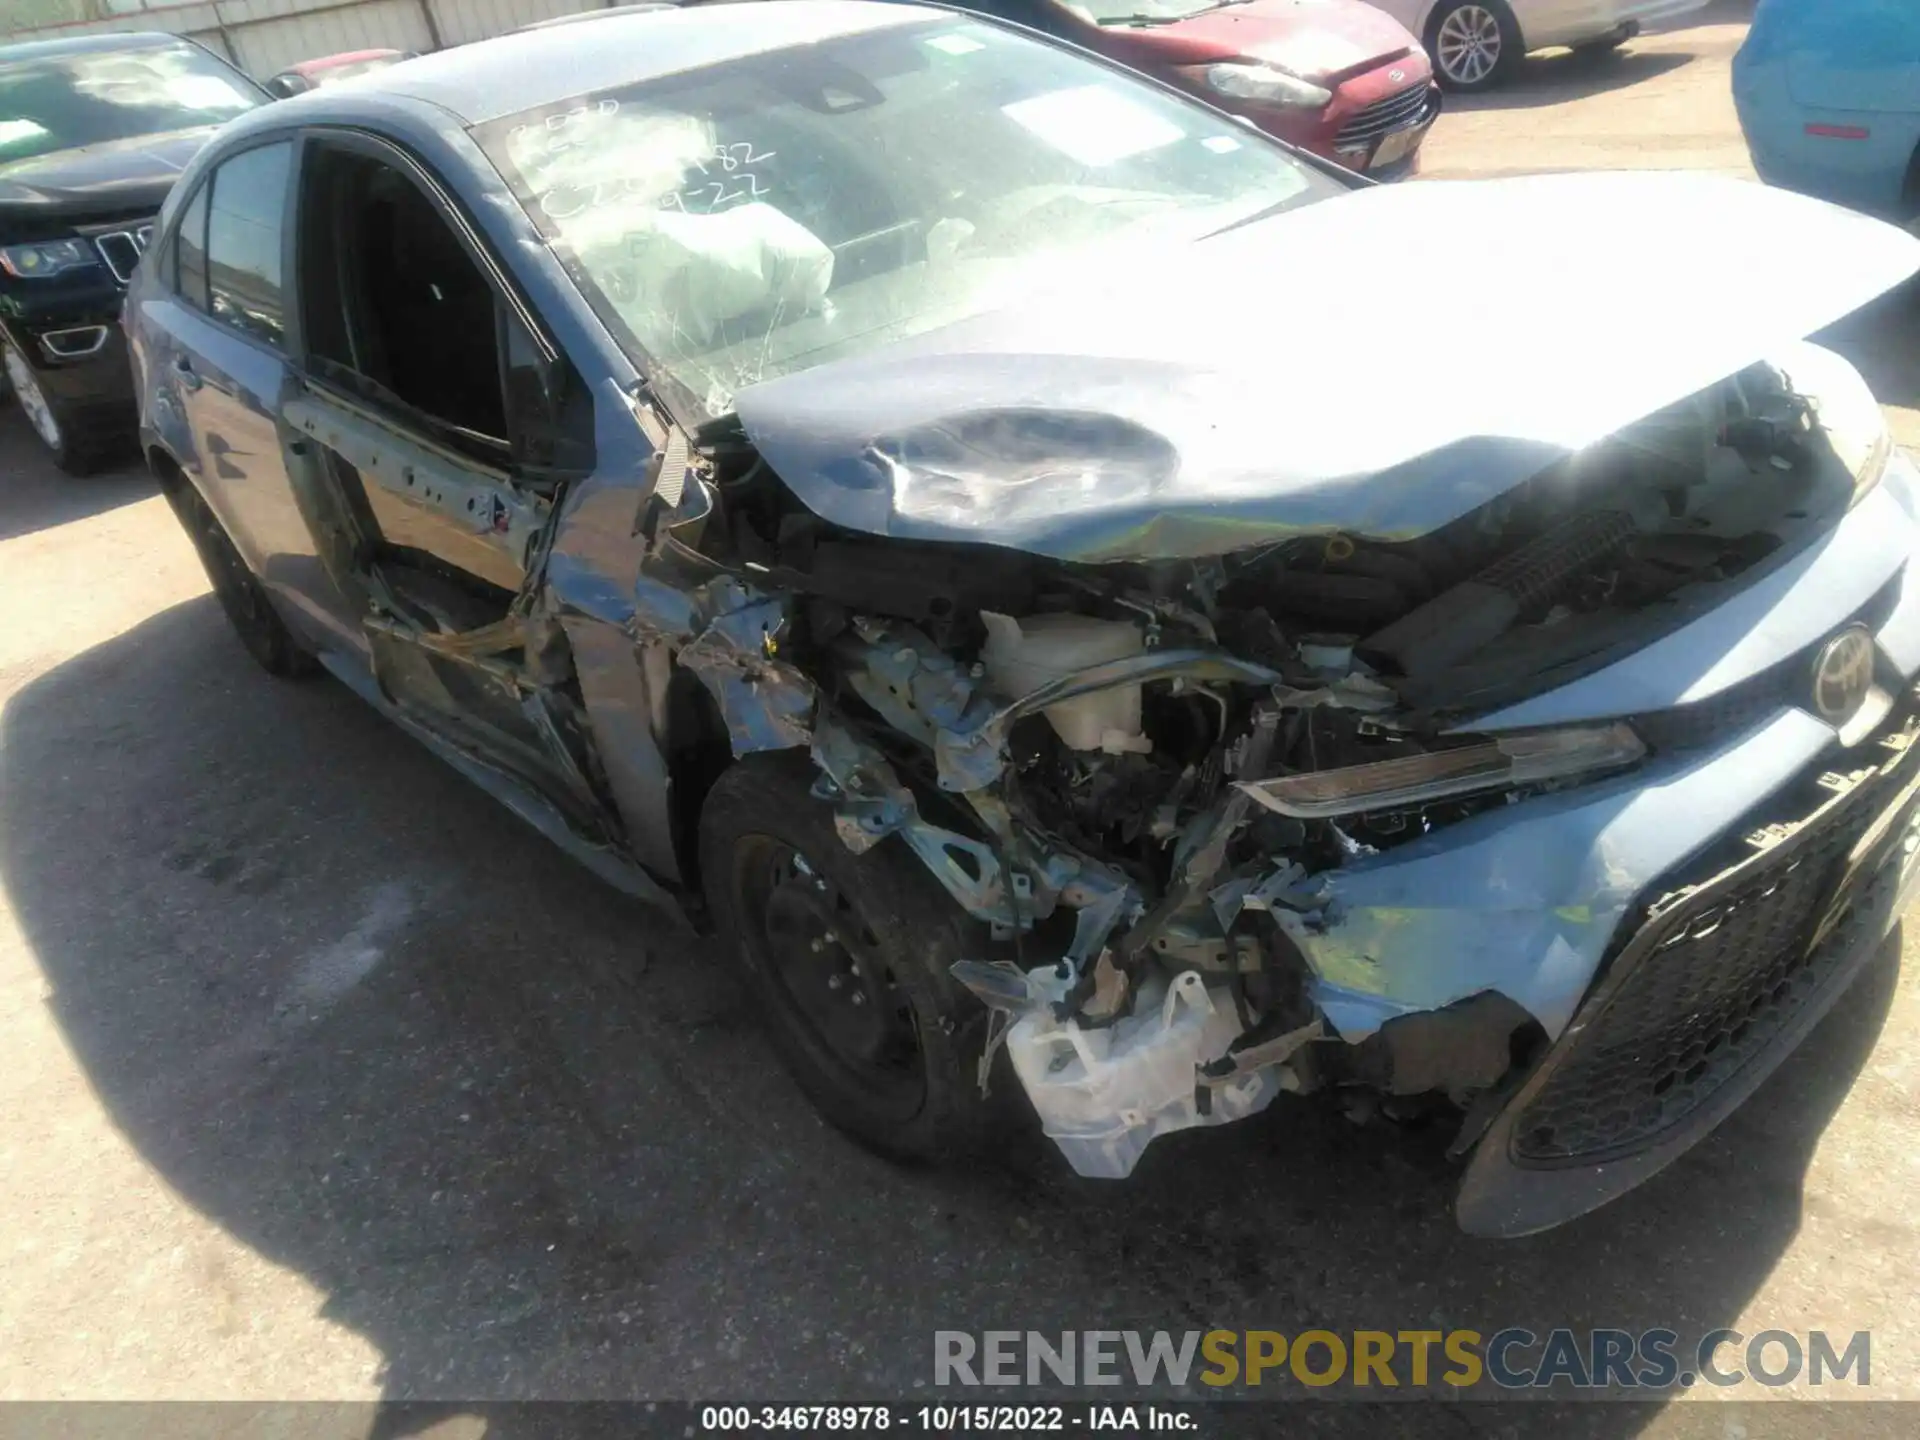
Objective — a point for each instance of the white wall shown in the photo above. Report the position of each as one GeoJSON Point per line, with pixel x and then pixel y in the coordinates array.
{"type": "Point", "coordinates": [464, 20]}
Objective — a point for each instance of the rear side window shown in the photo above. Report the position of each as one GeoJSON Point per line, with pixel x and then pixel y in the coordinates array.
{"type": "Point", "coordinates": [244, 225]}
{"type": "Point", "coordinates": [190, 252]}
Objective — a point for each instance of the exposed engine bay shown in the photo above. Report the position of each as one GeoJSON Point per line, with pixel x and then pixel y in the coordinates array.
{"type": "Point", "coordinates": [1139, 775]}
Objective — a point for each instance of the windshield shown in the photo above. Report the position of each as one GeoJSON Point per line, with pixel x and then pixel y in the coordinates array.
{"type": "Point", "coordinates": [60, 102]}
{"type": "Point", "coordinates": [765, 215]}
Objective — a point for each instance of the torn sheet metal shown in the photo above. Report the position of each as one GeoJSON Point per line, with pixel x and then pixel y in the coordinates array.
{"type": "Point", "coordinates": [1011, 883]}
{"type": "Point", "coordinates": [870, 803]}
{"type": "Point", "coordinates": [729, 635]}
{"type": "Point", "coordinates": [480, 521]}
{"type": "Point", "coordinates": [913, 685]}
{"type": "Point", "coordinates": [611, 865]}
{"type": "Point", "coordinates": [767, 704]}
{"type": "Point", "coordinates": [1286, 887]}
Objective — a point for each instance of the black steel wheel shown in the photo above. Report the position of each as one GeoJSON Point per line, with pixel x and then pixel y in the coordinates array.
{"type": "Point", "coordinates": [238, 589]}
{"type": "Point", "coordinates": [847, 958]}
{"type": "Point", "coordinates": [833, 977]}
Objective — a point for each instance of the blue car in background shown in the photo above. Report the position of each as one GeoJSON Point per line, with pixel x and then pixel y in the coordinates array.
{"type": "Point", "coordinates": [1829, 98]}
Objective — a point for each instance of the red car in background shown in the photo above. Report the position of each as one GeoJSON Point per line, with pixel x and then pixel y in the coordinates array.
{"type": "Point", "coordinates": [1336, 77]}
{"type": "Point", "coordinates": [331, 69]}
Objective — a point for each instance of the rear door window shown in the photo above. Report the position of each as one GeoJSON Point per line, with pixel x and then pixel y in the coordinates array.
{"type": "Point", "coordinates": [245, 226]}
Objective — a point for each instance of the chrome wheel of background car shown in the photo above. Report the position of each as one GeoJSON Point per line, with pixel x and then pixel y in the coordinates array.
{"type": "Point", "coordinates": [32, 401]}
{"type": "Point", "coordinates": [1469, 44]}
{"type": "Point", "coordinates": [833, 974]}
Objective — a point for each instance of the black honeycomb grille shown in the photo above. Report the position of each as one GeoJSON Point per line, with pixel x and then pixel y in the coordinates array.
{"type": "Point", "coordinates": [1715, 972]}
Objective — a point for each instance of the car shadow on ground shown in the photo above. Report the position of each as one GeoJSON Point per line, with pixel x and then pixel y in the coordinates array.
{"type": "Point", "coordinates": [1882, 339]}
{"type": "Point", "coordinates": [1560, 76]}
{"type": "Point", "coordinates": [1554, 77]}
{"type": "Point", "coordinates": [34, 496]}
{"type": "Point", "coordinates": [529, 1146]}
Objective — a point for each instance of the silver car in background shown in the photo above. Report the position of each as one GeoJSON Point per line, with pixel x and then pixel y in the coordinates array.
{"type": "Point", "coordinates": [1476, 44]}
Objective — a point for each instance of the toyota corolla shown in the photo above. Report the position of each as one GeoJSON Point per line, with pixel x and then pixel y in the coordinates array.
{"type": "Point", "coordinates": [928, 492]}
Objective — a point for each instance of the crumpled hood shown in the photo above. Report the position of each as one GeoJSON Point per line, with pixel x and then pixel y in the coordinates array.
{"type": "Point", "coordinates": [120, 177]}
{"type": "Point", "coordinates": [1303, 374]}
{"type": "Point", "coordinates": [1314, 39]}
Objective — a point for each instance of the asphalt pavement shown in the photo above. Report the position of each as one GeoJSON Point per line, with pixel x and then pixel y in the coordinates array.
{"type": "Point", "coordinates": [321, 1076]}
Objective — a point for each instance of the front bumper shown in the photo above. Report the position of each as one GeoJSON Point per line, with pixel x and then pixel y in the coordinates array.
{"type": "Point", "coordinates": [1715, 984]}
{"type": "Point", "coordinates": [1559, 902]}
{"type": "Point", "coordinates": [95, 387]}
{"type": "Point", "coordinates": [1375, 128]}
{"type": "Point", "coordinates": [51, 323]}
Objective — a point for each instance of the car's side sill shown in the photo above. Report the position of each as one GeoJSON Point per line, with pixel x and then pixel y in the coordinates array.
{"type": "Point", "coordinates": [611, 866]}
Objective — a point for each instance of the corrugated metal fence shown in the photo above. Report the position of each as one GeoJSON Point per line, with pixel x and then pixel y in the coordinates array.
{"type": "Point", "coordinates": [265, 36]}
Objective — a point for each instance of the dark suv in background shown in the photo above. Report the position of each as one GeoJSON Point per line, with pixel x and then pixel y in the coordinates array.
{"type": "Point", "coordinates": [93, 133]}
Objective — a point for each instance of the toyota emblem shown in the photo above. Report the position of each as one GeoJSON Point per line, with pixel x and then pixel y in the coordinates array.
{"type": "Point", "coordinates": [1396, 76]}
{"type": "Point", "coordinates": [1843, 674]}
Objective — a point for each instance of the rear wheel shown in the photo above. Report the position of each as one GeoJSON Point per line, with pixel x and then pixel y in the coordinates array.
{"type": "Point", "coordinates": [238, 589]}
{"type": "Point", "coordinates": [73, 449]}
{"type": "Point", "coordinates": [847, 959]}
{"type": "Point", "coordinates": [1475, 44]}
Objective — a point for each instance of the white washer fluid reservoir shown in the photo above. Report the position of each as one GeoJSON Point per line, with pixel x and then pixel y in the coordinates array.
{"type": "Point", "coordinates": [1024, 654]}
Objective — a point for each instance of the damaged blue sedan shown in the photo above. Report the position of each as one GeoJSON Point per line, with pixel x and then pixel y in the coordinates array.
{"type": "Point", "coordinates": [968, 523]}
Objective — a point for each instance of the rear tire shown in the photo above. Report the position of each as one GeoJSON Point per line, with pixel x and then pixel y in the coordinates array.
{"type": "Point", "coordinates": [1602, 44]}
{"type": "Point", "coordinates": [239, 591]}
{"type": "Point", "coordinates": [847, 959]}
{"type": "Point", "coordinates": [1474, 44]}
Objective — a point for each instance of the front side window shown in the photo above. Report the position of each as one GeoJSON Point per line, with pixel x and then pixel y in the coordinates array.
{"type": "Point", "coordinates": [244, 228]}
{"type": "Point", "coordinates": [395, 305]}
{"type": "Point", "coordinates": [61, 102]}
{"type": "Point", "coordinates": [767, 214]}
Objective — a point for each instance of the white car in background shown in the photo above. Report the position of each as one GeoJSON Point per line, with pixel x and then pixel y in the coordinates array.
{"type": "Point", "coordinates": [1476, 43]}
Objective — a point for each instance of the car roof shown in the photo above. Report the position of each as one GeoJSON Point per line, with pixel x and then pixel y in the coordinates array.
{"type": "Point", "coordinates": [489, 79]}
{"type": "Point", "coordinates": [91, 44]}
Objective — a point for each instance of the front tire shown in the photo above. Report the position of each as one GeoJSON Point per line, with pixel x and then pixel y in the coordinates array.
{"type": "Point", "coordinates": [847, 959]}
{"type": "Point", "coordinates": [1602, 44]}
{"type": "Point", "coordinates": [73, 450]}
{"type": "Point", "coordinates": [1475, 44]}
{"type": "Point", "coordinates": [239, 591]}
